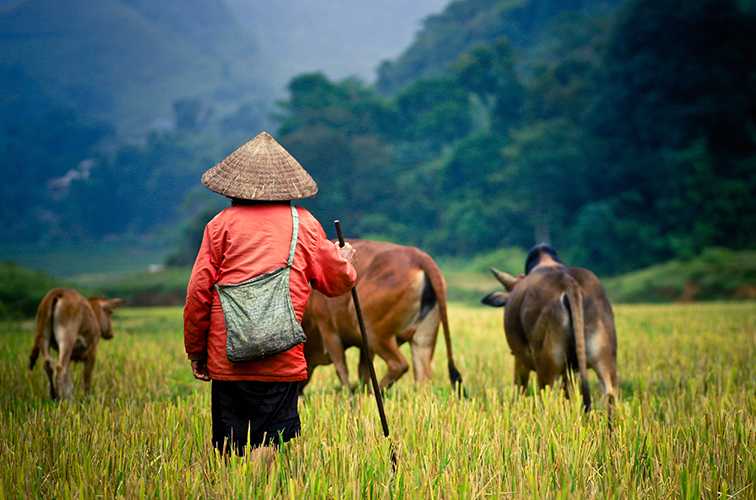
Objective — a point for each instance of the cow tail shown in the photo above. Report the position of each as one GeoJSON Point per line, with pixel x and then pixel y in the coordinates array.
{"type": "Point", "coordinates": [439, 289]}
{"type": "Point", "coordinates": [575, 308]}
{"type": "Point", "coordinates": [45, 317]}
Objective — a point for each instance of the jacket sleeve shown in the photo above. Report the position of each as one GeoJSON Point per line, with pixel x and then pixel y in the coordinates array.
{"type": "Point", "coordinates": [199, 299]}
{"type": "Point", "coordinates": [327, 271]}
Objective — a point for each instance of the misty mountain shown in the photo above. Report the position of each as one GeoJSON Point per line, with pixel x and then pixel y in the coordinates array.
{"type": "Point", "coordinates": [111, 109]}
{"type": "Point", "coordinates": [127, 61]}
{"type": "Point", "coordinates": [338, 37]}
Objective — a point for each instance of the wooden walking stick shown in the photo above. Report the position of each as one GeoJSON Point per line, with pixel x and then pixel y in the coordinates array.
{"type": "Point", "coordinates": [368, 359]}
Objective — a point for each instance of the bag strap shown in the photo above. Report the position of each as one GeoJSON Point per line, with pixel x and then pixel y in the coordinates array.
{"type": "Point", "coordinates": [294, 234]}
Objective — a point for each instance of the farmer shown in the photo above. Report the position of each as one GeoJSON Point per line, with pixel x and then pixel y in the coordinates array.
{"type": "Point", "coordinates": [248, 291]}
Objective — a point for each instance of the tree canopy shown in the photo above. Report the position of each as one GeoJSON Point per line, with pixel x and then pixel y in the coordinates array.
{"type": "Point", "coordinates": [623, 139]}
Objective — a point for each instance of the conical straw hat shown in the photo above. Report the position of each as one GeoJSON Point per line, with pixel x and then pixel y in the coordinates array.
{"type": "Point", "coordinates": [261, 169]}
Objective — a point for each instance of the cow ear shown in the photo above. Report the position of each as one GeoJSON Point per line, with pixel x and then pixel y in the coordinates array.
{"type": "Point", "coordinates": [495, 299]}
{"type": "Point", "coordinates": [112, 304]}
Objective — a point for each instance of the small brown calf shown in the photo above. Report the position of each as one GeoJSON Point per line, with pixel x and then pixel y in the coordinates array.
{"type": "Point", "coordinates": [72, 325]}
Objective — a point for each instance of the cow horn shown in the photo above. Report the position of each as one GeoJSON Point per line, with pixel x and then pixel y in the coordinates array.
{"type": "Point", "coordinates": [505, 279]}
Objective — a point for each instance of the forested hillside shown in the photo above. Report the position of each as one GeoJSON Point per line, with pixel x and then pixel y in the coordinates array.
{"type": "Point", "coordinates": [111, 109]}
{"type": "Point", "coordinates": [622, 132]}
{"type": "Point", "coordinates": [465, 24]}
{"type": "Point", "coordinates": [631, 143]}
{"type": "Point", "coordinates": [68, 178]}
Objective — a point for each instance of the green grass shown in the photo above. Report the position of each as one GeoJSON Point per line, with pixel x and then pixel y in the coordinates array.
{"type": "Point", "coordinates": [73, 260]}
{"type": "Point", "coordinates": [164, 287]}
{"type": "Point", "coordinates": [715, 274]}
{"type": "Point", "coordinates": [469, 280]}
{"type": "Point", "coordinates": [21, 290]}
{"type": "Point", "coordinates": [685, 425]}
{"type": "Point", "coordinates": [22, 286]}
{"type": "Point", "coordinates": [119, 268]}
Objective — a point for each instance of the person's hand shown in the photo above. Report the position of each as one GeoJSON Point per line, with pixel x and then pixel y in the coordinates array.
{"type": "Point", "coordinates": [199, 370]}
{"type": "Point", "coordinates": [347, 252]}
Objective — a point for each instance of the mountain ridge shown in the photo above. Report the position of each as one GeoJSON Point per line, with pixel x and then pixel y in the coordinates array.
{"type": "Point", "coordinates": [117, 60]}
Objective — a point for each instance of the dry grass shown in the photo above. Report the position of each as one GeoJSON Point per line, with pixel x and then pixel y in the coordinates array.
{"type": "Point", "coordinates": [685, 425]}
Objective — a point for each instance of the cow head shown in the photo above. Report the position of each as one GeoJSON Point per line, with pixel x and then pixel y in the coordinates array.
{"type": "Point", "coordinates": [499, 299]}
{"type": "Point", "coordinates": [541, 255]}
{"type": "Point", "coordinates": [104, 310]}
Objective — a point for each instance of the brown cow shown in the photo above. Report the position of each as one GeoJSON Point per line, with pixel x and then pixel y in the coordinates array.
{"type": "Point", "coordinates": [403, 298]}
{"type": "Point", "coordinates": [558, 319]}
{"type": "Point", "coordinates": [72, 325]}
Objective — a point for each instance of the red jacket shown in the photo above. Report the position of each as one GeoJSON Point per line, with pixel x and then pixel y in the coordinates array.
{"type": "Point", "coordinates": [241, 242]}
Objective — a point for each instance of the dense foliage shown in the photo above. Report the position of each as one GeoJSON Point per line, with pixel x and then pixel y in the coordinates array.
{"type": "Point", "coordinates": [66, 180]}
{"type": "Point", "coordinates": [465, 24]}
{"type": "Point", "coordinates": [624, 139]}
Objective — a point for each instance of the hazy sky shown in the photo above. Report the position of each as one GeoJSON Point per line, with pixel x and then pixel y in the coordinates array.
{"type": "Point", "coordinates": [340, 37]}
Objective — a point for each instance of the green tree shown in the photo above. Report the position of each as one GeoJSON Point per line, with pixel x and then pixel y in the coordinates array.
{"type": "Point", "coordinates": [489, 72]}
{"type": "Point", "coordinates": [673, 124]}
{"type": "Point", "coordinates": [546, 173]}
{"type": "Point", "coordinates": [433, 111]}
{"type": "Point", "coordinates": [335, 131]}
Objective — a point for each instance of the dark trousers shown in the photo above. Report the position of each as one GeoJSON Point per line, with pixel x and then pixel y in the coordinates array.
{"type": "Point", "coordinates": [261, 413]}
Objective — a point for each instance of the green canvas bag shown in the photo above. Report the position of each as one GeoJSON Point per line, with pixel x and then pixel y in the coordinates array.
{"type": "Point", "coordinates": [260, 318]}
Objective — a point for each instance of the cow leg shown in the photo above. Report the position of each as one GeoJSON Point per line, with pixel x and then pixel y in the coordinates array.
{"type": "Point", "coordinates": [48, 366]}
{"type": "Point", "coordinates": [423, 344]}
{"type": "Point", "coordinates": [364, 369]}
{"type": "Point", "coordinates": [335, 349]}
{"type": "Point", "coordinates": [566, 381]}
{"type": "Point", "coordinates": [549, 345]}
{"type": "Point", "coordinates": [310, 368]}
{"type": "Point", "coordinates": [50, 377]}
{"type": "Point", "coordinates": [521, 374]}
{"type": "Point", "coordinates": [61, 373]}
{"type": "Point", "coordinates": [602, 358]}
{"type": "Point", "coordinates": [88, 369]}
{"type": "Point", "coordinates": [607, 375]}
{"type": "Point", "coordinates": [389, 351]}
{"type": "Point", "coordinates": [546, 376]}
{"type": "Point", "coordinates": [548, 365]}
